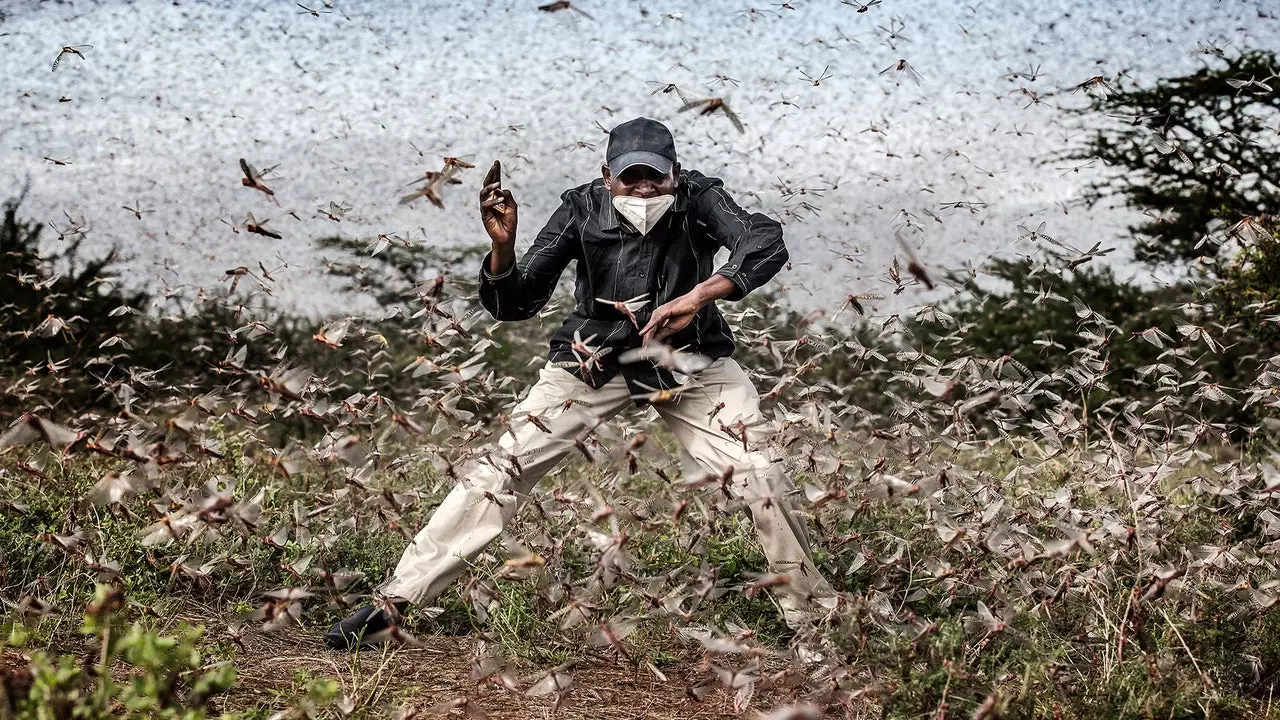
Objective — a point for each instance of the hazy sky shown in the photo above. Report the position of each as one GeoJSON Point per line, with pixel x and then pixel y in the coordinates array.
{"type": "Point", "coordinates": [172, 93]}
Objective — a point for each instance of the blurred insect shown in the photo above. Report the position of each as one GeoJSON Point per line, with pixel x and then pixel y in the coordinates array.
{"type": "Point", "coordinates": [986, 621]}
{"type": "Point", "coordinates": [914, 266]}
{"type": "Point", "coordinates": [1220, 168]}
{"type": "Point", "coordinates": [555, 681]}
{"type": "Point", "coordinates": [282, 608]}
{"type": "Point", "coordinates": [1096, 86]}
{"type": "Point", "coordinates": [234, 274]}
{"type": "Point", "coordinates": [903, 66]}
{"type": "Point", "coordinates": [854, 302]}
{"type": "Point", "coordinates": [1033, 98]}
{"type": "Point", "coordinates": [435, 180]}
{"type": "Point", "coordinates": [289, 383]}
{"type": "Point", "coordinates": [817, 81]}
{"type": "Point", "coordinates": [990, 707]}
{"type": "Point", "coordinates": [70, 50]}
{"type": "Point", "coordinates": [893, 33]}
{"type": "Point", "coordinates": [563, 5]}
{"type": "Point", "coordinates": [1243, 85]}
{"type": "Point", "coordinates": [235, 633]}
{"type": "Point", "coordinates": [666, 89]}
{"type": "Point", "coordinates": [588, 356]}
{"type": "Point", "coordinates": [257, 227]}
{"type": "Point", "coordinates": [384, 241]}
{"type": "Point", "coordinates": [784, 100]}
{"type": "Point", "coordinates": [431, 190]}
{"type": "Point", "coordinates": [1030, 235]}
{"type": "Point", "coordinates": [138, 210]}
{"type": "Point", "coordinates": [1249, 229]}
{"type": "Point", "coordinates": [253, 179]}
{"type": "Point", "coordinates": [1075, 169]}
{"type": "Point", "coordinates": [862, 7]}
{"type": "Point", "coordinates": [803, 711]}
{"type": "Point", "coordinates": [333, 333]}
{"type": "Point", "coordinates": [72, 229]}
{"type": "Point", "coordinates": [706, 106]}
{"type": "Point", "coordinates": [763, 582]}
{"type": "Point", "coordinates": [335, 212]}
{"type": "Point", "coordinates": [1079, 257]}
{"type": "Point", "coordinates": [611, 633]}
{"type": "Point", "coordinates": [665, 356]}
{"type": "Point", "coordinates": [460, 163]}
{"type": "Point", "coordinates": [741, 681]}
{"type": "Point", "coordinates": [972, 206]}
{"type": "Point", "coordinates": [460, 706]}
{"type": "Point", "coordinates": [1031, 74]}
{"type": "Point", "coordinates": [1208, 48]}
{"type": "Point", "coordinates": [1168, 147]}
{"type": "Point", "coordinates": [628, 307]}
{"type": "Point", "coordinates": [29, 428]}
{"type": "Point", "coordinates": [313, 13]}
{"type": "Point", "coordinates": [662, 395]}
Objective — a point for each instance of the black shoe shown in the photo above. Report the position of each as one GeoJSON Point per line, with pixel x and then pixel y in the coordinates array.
{"type": "Point", "coordinates": [350, 634]}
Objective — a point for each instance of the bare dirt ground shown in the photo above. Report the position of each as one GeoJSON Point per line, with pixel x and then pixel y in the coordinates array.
{"type": "Point", "coordinates": [273, 668]}
{"type": "Point", "coordinates": [417, 678]}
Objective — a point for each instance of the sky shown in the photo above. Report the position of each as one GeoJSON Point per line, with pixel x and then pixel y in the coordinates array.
{"type": "Point", "coordinates": [355, 103]}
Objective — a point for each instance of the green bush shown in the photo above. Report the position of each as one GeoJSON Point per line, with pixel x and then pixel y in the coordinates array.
{"type": "Point", "coordinates": [1248, 295]}
{"type": "Point", "coordinates": [136, 672]}
{"type": "Point", "coordinates": [56, 312]}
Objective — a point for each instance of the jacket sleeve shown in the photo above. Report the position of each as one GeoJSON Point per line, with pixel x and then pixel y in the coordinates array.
{"type": "Point", "coordinates": [526, 286]}
{"type": "Point", "coordinates": [754, 240]}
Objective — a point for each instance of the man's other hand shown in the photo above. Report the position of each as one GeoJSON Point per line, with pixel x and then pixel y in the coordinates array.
{"type": "Point", "coordinates": [672, 317]}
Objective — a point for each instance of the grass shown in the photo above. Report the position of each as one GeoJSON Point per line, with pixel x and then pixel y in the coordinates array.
{"type": "Point", "coordinates": [1091, 652]}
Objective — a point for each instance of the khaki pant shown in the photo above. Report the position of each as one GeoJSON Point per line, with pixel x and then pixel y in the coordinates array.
{"type": "Point", "coordinates": [476, 510]}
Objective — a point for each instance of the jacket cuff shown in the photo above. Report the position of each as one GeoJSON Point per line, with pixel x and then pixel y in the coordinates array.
{"type": "Point", "coordinates": [741, 288]}
{"type": "Point", "coordinates": [484, 269]}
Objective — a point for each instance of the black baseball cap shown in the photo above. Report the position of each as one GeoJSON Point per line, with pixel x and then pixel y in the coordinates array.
{"type": "Point", "coordinates": [640, 142]}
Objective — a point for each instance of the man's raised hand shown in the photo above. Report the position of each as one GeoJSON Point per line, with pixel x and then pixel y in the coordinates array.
{"type": "Point", "coordinates": [498, 212]}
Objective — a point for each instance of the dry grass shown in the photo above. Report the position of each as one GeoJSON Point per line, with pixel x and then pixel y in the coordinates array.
{"type": "Point", "coordinates": [272, 669]}
{"type": "Point", "coordinates": [420, 677]}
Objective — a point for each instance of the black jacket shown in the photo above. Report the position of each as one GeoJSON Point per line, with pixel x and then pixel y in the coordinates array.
{"type": "Point", "coordinates": [616, 262]}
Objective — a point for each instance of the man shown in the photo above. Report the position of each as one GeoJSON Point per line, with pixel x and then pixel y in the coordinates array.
{"type": "Point", "coordinates": [644, 237]}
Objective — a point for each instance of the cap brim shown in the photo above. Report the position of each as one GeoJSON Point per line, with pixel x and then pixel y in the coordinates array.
{"type": "Point", "coordinates": [640, 157]}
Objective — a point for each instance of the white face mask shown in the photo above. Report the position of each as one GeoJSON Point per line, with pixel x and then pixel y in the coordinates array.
{"type": "Point", "coordinates": [643, 213]}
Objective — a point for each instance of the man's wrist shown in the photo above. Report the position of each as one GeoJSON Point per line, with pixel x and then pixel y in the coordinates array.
{"type": "Point", "coordinates": [501, 260]}
{"type": "Point", "coordinates": [713, 288]}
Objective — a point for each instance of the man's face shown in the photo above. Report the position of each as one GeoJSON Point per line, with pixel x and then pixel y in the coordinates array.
{"type": "Point", "coordinates": [641, 181]}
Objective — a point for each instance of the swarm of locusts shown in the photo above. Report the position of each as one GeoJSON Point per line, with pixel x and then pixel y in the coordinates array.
{"type": "Point", "coordinates": [1000, 538]}
{"type": "Point", "coordinates": [976, 505]}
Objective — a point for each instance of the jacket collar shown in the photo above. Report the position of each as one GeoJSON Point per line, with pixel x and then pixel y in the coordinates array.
{"type": "Point", "coordinates": [609, 218]}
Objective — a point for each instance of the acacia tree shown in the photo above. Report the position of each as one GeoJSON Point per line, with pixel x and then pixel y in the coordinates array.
{"type": "Point", "coordinates": [1197, 154]}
